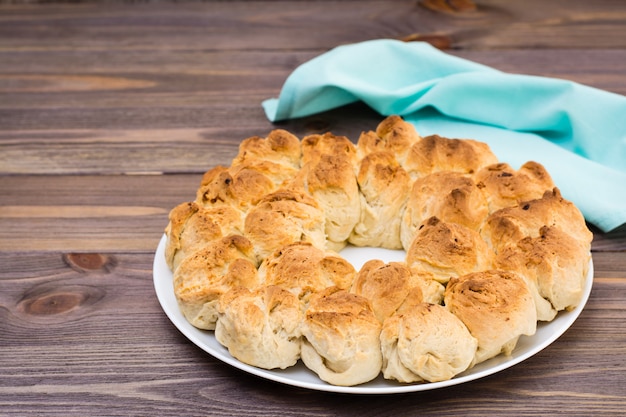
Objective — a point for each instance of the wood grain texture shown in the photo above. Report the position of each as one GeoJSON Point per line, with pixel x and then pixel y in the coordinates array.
{"type": "Point", "coordinates": [110, 113]}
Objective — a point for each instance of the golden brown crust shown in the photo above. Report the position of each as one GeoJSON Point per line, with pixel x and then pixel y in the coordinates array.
{"type": "Point", "coordinates": [393, 135]}
{"type": "Point", "coordinates": [280, 147]}
{"type": "Point", "coordinates": [282, 218]}
{"type": "Point", "coordinates": [280, 175]}
{"type": "Point", "coordinates": [448, 250]}
{"type": "Point", "coordinates": [314, 146]}
{"type": "Point", "coordinates": [505, 187]}
{"type": "Point", "coordinates": [205, 275]}
{"type": "Point", "coordinates": [435, 153]}
{"type": "Point", "coordinates": [509, 225]}
{"type": "Point", "coordinates": [328, 175]}
{"type": "Point", "coordinates": [387, 286]}
{"type": "Point", "coordinates": [554, 266]}
{"type": "Point", "coordinates": [192, 227]}
{"type": "Point", "coordinates": [240, 190]}
{"type": "Point", "coordinates": [304, 270]}
{"type": "Point", "coordinates": [331, 181]}
{"type": "Point", "coordinates": [450, 196]}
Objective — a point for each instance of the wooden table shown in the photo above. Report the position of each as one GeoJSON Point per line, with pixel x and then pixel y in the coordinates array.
{"type": "Point", "coordinates": [109, 115]}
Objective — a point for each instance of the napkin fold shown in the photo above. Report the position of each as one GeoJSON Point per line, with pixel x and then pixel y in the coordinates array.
{"type": "Point", "coordinates": [577, 132]}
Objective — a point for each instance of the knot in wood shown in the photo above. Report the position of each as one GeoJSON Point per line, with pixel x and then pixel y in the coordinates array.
{"type": "Point", "coordinates": [52, 301]}
{"type": "Point", "coordinates": [55, 303]}
{"type": "Point", "coordinates": [86, 262]}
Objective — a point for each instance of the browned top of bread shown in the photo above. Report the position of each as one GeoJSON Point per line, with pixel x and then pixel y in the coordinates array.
{"type": "Point", "coordinates": [448, 250]}
{"type": "Point", "coordinates": [240, 190]}
{"type": "Point", "coordinates": [328, 175]}
{"type": "Point", "coordinates": [328, 172]}
{"type": "Point", "coordinates": [435, 153]}
{"type": "Point", "coordinates": [314, 146]}
{"type": "Point", "coordinates": [279, 174]}
{"type": "Point", "coordinates": [204, 276]}
{"type": "Point", "coordinates": [393, 135]}
{"type": "Point", "coordinates": [282, 218]}
{"type": "Point", "coordinates": [450, 196]}
{"type": "Point", "coordinates": [280, 146]}
{"type": "Point", "coordinates": [277, 156]}
{"type": "Point", "coordinates": [555, 266]}
{"type": "Point", "coordinates": [193, 226]}
{"type": "Point", "coordinates": [496, 306]}
{"type": "Point", "coordinates": [216, 268]}
{"type": "Point", "coordinates": [387, 286]}
{"type": "Point", "coordinates": [505, 187]}
{"type": "Point", "coordinates": [304, 269]}
{"type": "Point", "coordinates": [379, 171]}
{"type": "Point", "coordinates": [508, 225]}
{"type": "Point", "coordinates": [331, 181]}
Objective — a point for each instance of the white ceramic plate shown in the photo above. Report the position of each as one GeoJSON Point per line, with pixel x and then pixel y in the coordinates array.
{"type": "Point", "coordinates": [300, 376]}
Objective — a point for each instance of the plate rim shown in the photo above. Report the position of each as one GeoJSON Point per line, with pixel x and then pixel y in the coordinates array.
{"type": "Point", "coordinates": [499, 363]}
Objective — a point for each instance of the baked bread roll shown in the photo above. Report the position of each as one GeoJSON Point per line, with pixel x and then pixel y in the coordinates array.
{"type": "Point", "coordinates": [507, 226]}
{"type": "Point", "coordinates": [328, 175]}
{"type": "Point", "coordinates": [448, 250]}
{"type": "Point", "coordinates": [388, 286]}
{"type": "Point", "coordinates": [240, 190]}
{"type": "Point", "coordinates": [497, 308]}
{"type": "Point", "coordinates": [505, 187]}
{"type": "Point", "coordinates": [435, 153]}
{"type": "Point", "coordinates": [284, 217]}
{"type": "Point", "coordinates": [261, 327]}
{"type": "Point", "coordinates": [555, 267]}
{"type": "Point", "coordinates": [450, 196]}
{"type": "Point", "coordinates": [393, 135]}
{"type": "Point", "coordinates": [280, 147]}
{"type": "Point", "coordinates": [303, 269]}
{"type": "Point", "coordinates": [280, 175]}
{"type": "Point", "coordinates": [204, 276]}
{"type": "Point", "coordinates": [315, 146]}
{"type": "Point", "coordinates": [341, 338]}
{"type": "Point", "coordinates": [277, 156]}
{"type": "Point", "coordinates": [426, 343]}
{"type": "Point", "coordinates": [384, 186]}
{"type": "Point", "coordinates": [192, 226]}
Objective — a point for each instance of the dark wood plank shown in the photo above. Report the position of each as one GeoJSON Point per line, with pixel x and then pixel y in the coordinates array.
{"type": "Point", "coordinates": [83, 122]}
{"type": "Point", "coordinates": [101, 213]}
{"type": "Point", "coordinates": [264, 25]}
{"type": "Point", "coordinates": [83, 84]}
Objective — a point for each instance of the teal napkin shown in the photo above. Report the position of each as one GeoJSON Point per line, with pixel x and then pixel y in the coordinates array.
{"type": "Point", "coordinates": [577, 132]}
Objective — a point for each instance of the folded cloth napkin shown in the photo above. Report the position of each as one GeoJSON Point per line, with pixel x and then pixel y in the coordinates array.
{"type": "Point", "coordinates": [577, 132]}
